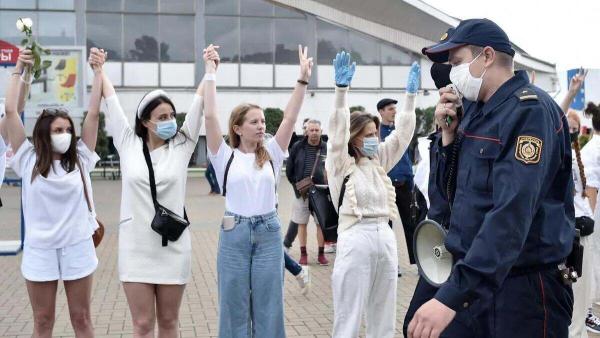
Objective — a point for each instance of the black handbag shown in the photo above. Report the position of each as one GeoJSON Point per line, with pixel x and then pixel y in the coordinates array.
{"type": "Point", "coordinates": [166, 223]}
{"type": "Point", "coordinates": [585, 225]}
{"type": "Point", "coordinates": [320, 203]}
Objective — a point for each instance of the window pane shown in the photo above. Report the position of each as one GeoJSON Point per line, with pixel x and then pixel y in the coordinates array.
{"type": "Point", "coordinates": [56, 28]}
{"type": "Point", "coordinates": [18, 4]}
{"type": "Point", "coordinates": [288, 34]}
{"type": "Point", "coordinates": [104, 5]}
{"type": "Point", "coordinates": [141, 32]}
{"type": "Point", "coordinates": [330, 40]}
{"type": "Point", "coordinates": [8, 28]}
{"type": "Point", "coordinates": [284, 12]}
{"type": "Point", "coordinates": [257, 8]}
{"type": "Point", "coordinates": [364, 49]}
{"type": "Point", "coordinates": [256, 34]}
{"type": "Point", "coordinates": [104, 31]}
{"type": "Point", "coordinates": [394, 56]}
{"type": "Point", "coordinates": [56, 4]}
{"type": "Point", "coordinates": [227, 7]}
{"type": "Point", "coordinates": [177, 6]}
{"type": "Point", "coordinates": [177, 38]}
{"type": "Point", "coordinates": [145, 6]}
{"type": "Point", "coordinates": [225, 33]}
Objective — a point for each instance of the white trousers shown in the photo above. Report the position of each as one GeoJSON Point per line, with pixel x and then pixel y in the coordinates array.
{"type": "Point", "coordinates": [582, 293]}
{"type": "Point", "coordinates": [364, 281]}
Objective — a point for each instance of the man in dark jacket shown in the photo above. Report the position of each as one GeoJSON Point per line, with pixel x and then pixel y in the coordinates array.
{"type": "Point", "coordinates": [307, 158]}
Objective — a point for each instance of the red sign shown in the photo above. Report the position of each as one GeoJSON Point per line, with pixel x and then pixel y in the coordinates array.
{"type": "Point", "coordinates": [8, 54]}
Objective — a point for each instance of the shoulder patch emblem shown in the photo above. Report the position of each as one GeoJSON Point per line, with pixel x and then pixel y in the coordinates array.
{"type": "Point", "coordinates": [529, 149]}
{"type": "Point", "coordinates": [526, 94]}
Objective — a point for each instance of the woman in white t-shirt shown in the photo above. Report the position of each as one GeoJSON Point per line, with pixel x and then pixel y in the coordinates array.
{"type": "Point", "coordinates": [153, 272]}
{"type": "Point", "coordinates": [250, 254]}
{"type": "Point", "coordinates": [59, 221]}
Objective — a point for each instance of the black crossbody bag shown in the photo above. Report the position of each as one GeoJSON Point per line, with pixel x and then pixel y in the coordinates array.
{"type": "Point", "coordinates": [166, 223]}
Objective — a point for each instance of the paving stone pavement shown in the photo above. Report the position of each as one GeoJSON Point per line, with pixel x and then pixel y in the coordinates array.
{"type": "Point", "coordinates": [306, 316]}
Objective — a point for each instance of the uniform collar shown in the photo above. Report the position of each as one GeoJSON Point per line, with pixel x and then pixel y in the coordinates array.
{"type": "Point", "coordinates": [518, 81]}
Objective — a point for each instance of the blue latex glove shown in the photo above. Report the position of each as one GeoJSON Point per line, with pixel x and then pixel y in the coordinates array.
{"type": "Point", "coordinates": [344, 71]}
{"type": "Point", "coordinates": [414, 78]}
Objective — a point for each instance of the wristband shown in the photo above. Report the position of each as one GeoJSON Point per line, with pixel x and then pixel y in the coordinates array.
{"type": "Point", "coordinates": [210, 77]}
{"type": "Point", "coordinates": [303, 82]}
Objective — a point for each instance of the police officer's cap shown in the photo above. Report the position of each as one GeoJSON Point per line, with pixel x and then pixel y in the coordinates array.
{"type": "Point", "coordinates": [476, 32]}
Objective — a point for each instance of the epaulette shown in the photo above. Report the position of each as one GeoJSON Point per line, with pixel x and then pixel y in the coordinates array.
{"type": "Point", "coordinates": [525, 94]}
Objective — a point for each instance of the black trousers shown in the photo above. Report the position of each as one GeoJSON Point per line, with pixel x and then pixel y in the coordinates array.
{"type": "Point", "coordinates": [404, 201]}
{"type": "Point", "coordinates": [530, 305]}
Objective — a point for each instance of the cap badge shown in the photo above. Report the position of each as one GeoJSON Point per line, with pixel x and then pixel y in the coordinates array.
{"type": "Point", "coordinates": [444, 36]}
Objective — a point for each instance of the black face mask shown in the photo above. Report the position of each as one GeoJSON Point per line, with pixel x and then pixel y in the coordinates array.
{"type": "Point", "coordinates": [574, 136]}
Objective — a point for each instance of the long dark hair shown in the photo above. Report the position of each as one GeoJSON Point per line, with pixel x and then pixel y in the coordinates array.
{"type": "Point", "coordinates": [140, 129]}
{"type": "Point", "coordinates": [42, 143]}
{"type": "Point", "coordinates": [572, 115]}
{"type": "Point", "coordinates": [593, 111]}
{"type": "Point", "coordinates": [358, 121]}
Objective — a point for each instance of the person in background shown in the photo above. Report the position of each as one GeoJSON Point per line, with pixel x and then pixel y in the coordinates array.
{"type": "Point", "coordinates": [212, 179]}
{"type": "Point", "coordinates": [305, 161]}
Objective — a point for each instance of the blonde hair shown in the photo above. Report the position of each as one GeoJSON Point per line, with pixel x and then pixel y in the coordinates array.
{"type": "Point", "coordinates": [358, 121]}
{"type": "Point", "coordinates": [237, 118]}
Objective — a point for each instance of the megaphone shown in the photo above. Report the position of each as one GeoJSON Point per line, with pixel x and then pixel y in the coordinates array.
{"type": "Point", "coordinates": [433, 259]}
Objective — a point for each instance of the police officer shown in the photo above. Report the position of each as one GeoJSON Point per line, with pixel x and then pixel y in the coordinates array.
{"type": "Point", "coordinates": [511, 223]}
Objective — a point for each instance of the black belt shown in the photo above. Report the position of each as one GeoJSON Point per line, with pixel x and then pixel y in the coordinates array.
{"type": "Point", "coordinates": [525, 270]}
{"type": "Point", "coordinates": [399, 184]}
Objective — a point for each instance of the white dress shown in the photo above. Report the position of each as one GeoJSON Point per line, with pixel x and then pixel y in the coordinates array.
{"type": "Point", "coordinates": [142, 258]}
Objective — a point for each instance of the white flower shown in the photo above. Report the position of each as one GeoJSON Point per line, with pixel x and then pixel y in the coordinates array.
{"type": "Point", "coordinates": [23, 23]}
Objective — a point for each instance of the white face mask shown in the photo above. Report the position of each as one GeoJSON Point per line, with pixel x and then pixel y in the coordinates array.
{"type": "Point", "coordinates": [60, 142]}
{"type": "Point", "coordinates": [466, 84]}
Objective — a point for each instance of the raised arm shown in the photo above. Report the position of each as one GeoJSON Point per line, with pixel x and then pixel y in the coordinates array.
{"type": "Point", "coordinates": [574, 87]}
{"type": "Point", "coordinates": [12, 121]}
{"type": "Point", "coordinates": [117, 125]}
{"type": "Point", "coordinates": [214, 135]}
{"type": "Point", "coordinates": [89, 132]}
{"type": "Point", "coordinates": [290, 114]}
{"type": "Point", "coordinates": [339, 122]}
{"type": "Point", "coordinates": [392, 149]}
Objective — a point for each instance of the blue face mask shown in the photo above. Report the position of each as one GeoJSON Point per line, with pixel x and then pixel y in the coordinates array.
{"type": "Point", "coordinates": [370, 146]}
{"type": "Point", "coordinates": [166, 129]}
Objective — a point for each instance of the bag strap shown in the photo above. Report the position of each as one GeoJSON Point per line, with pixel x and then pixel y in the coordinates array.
{"type": "Point", "coordinates": [85, 191]}
{"type": "Point", "coordinates": [312, 172]}
{"type": "Point", "coordinates": [150, 173]}
{"type": "Point", "coordinates": [227, 173]}
{"type": "Point", "coordinates": [342, 192]}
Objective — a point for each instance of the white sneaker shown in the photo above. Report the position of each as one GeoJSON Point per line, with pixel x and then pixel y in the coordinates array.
{"type": "Point", "coordinates": [330, 248]}
{"type": "Point", "coordinates": [592, 323]}
{"type": "Point", "coordinates": [303, 279]}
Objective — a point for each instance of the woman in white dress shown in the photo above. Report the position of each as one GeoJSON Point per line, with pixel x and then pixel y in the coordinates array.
{"type": "Point", "coordinates": [59, 216]}
{"type": "Point", "coordinates": [153, 276]}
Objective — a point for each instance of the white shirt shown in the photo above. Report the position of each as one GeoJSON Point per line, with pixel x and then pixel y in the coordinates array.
{"type": "Point", "coordinates": [54, 207]}
{"type": "Point", "coordinates": [250, 190]}
{"type": "Point", "coordinates": [2, 159]}
{"type": "Point", "coordinates": [582, 204]}
{"type": "Point", "coordinates": [590, 156]}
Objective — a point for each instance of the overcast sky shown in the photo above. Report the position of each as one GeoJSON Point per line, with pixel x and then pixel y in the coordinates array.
{"type": "Point", "coordinates": [563, 32]}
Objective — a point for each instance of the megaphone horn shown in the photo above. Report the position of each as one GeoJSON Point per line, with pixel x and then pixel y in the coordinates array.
{"type": "Point", "coordinates": [433, 259]}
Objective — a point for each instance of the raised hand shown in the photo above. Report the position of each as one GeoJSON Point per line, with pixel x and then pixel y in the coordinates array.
{"type": "Point", "coordinates": [97, 59]}
{"type": "Point", "coordinates": [577, 81]}
{"type": "Point", "coordinates": [344, 70]}
{"type": "Point", "coordinates": [211, 58]}
{"type": "Point", "coordinates": [25, 59]}
{"type": "Point", "coordinates": [306, 63]}
{"type": "Point", "coordinates": [414, 77]}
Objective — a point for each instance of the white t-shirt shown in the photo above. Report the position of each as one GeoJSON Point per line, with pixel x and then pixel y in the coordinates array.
{"type": "Point", "coordinates": [590, 156]}
{"type": "Point", "coordinates": [250, 190]}
{"type": "Point", "coordinates": [54, 207]}
{"type": "Point", "coordinates": [2, 159]}
{"type": "Point", "coordinates": [582, 204]}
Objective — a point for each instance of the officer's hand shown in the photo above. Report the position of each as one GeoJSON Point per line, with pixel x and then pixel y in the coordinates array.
{"type": "Point", "coordinates": [430, 320]}
{"type": "Point", "coordinates": [445, 114]}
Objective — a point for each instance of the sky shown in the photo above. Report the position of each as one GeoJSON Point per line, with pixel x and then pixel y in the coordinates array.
{"type": "Point", "coordinates": [566, 33]}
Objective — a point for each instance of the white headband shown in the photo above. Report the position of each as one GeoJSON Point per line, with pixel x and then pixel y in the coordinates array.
{"type": "Point", "coordinates": [149, 97]}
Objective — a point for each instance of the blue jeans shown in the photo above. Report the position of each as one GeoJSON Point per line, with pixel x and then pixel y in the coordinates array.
{"type": "Point", "coordinates": [291, 265]}
{"type": "Point", "coordinates": [250, 278]}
